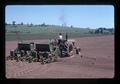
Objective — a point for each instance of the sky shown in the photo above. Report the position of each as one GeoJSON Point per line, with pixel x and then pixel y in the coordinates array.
{"type": "Point", "coordinates": [83, 16]}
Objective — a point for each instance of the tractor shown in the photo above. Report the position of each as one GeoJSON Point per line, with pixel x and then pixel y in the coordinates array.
{"type": "Point", "coordinates": [44, 53]}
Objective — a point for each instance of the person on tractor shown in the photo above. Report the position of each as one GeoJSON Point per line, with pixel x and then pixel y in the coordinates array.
{"type": "Point", "coordinates": [60, 38]}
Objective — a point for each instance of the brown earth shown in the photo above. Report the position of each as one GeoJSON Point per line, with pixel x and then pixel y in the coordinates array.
{"type": "Point", "coordinates": [97, 62]}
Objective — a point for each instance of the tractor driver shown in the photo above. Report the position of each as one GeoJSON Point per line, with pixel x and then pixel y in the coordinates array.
{"type": "Point", "coordinates": [60, 38]}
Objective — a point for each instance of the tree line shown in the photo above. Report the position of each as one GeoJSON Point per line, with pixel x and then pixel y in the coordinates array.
{"type": "Point", "coordinates": [102, 31]}
{"type": "Point", "coordinates": [31, 24]}
{"type": "Point", "coordinates": [97, 31]}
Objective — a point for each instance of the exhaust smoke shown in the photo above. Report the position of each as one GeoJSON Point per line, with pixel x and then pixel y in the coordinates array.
{"type": "Point", "coordinates": [62, 18]}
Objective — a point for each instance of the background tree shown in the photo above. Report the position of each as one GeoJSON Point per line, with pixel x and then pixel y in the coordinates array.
{"type": "Point", "coordinates": [31, 24]}
{"type": "Point", "coordinates": [21, 23]}
{"type": "Point", "coordinates": [13, 23]}
{"type": "Point", "coordinates": [43, 24]}
{"type": "Point", "coordinates": [101, 30]}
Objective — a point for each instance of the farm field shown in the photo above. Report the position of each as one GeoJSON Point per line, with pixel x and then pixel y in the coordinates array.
{"type": "Point", "coordinates": [97, 61]}
{"type": "Point", "coordinates": [23, 32]}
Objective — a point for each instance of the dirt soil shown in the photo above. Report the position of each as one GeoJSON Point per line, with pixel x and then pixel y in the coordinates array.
{"type": "Point", "coordinates": [97, 62]}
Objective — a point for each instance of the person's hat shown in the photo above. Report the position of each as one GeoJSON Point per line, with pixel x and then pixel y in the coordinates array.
{"type": "Point", "coordinates": [60, 34]}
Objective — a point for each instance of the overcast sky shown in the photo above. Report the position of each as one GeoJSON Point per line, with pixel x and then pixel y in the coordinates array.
{"type": "Point", "coordinates": [92, 16]}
